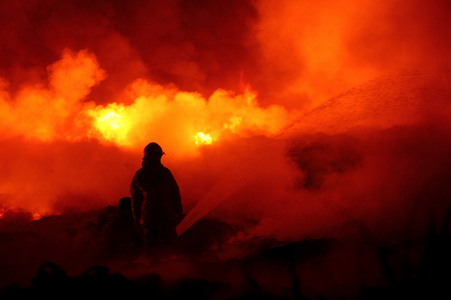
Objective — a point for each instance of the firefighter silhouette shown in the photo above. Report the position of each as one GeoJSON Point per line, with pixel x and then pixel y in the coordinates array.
{"type": "Point", "coordinates": [156, 201]}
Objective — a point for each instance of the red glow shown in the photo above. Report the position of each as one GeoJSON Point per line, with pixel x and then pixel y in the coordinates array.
{"type": "Point", "coordinates": [307, 119]}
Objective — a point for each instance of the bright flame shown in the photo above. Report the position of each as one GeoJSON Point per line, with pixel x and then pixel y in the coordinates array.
{"type": "Point", "coordinates": [203, 139]}
{"type": "Point", "coordinates": [58, 110]}
{"type": "Point", "coordinates": [174, 117]}
{"type": "Point", "coordinates": [111, 119]}
{"type": "Point", "coordinates": [109, 123]}
{"type": "Point", "coordinates": [152, 112]}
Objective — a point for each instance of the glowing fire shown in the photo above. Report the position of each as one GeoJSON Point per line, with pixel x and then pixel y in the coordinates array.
{"type": "Point", "coordinates": [145, 111]}
{"type": "Point", "coordinates": [318, 134]}
{"type": "Point", "coordinates": [111, 119]}
{"type": "Point", "coordinates": [174, 117]}
{"type": "Point", "coordinates": [202, 139]}
{"type": "Point", "coordinates": [109, 124]}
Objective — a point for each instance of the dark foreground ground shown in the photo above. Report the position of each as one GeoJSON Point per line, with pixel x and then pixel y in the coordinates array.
{"type": "Point", "coordinates": [60, 257]}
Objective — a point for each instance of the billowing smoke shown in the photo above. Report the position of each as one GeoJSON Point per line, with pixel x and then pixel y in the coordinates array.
{"type": "Point", "coordinates": [51, 133]}
{"type": "Point", "coordinates": [312, 51]}
{"type": "Point", "coordinates": [376, 168]}
{"type": "Point", "coordinates": [299, 119]}
{"type": "Point", "coordinates": [280, 120]}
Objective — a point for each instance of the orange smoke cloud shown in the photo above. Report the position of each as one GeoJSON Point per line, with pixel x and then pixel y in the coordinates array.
{"type": "Point", "coordinates": [222, 116]}
{"type": "Point", "coordinates": [68, 116]}
{"type": "Point", "coordinates": [46, 113]}
{"type": "Point", "coordinates": [52, 117]}
{"type": "Point", "coordinates": [73, 122]}
{"type": "Point", "coordinates": [312, 51]}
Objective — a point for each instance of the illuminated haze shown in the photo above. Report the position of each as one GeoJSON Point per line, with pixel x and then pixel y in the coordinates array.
{"type": "Point", "coordinates": [314, 118]}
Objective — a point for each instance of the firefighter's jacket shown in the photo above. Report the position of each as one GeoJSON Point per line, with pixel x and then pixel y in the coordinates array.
{"type": "Point", "coordinates": [155, 195]}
